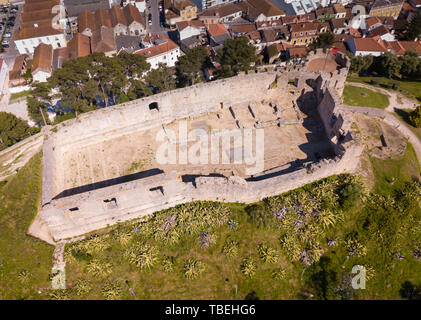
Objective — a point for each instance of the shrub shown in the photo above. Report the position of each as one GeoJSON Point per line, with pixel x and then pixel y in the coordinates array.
{"type": "Point", "coordinates": [142, 255]}
{"type": "Point", "coordinates": [193, 268]}
{"type": "Point", "coordinates": [111, 290]}
{"type": "Point", "coordinates": [248, 267]}
{"type": "Point", "coordinates": [415, 117]}
{"type": "Point", "coordinates": [168, 264]}
{"type": "Point", "coordinates": [98, 268]}
{"type": "Point", "coordinates": [267, 253]}
{"type": "Point", "coordinates": [279, 274]}
{"type": "Point", "coordinates": [230, 248]}
{"type": "Point", "coordinates": [82, 287]}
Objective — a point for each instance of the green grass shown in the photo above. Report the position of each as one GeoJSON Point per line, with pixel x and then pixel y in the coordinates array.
{"type": "Point", "coordinates": [383, 227]}
{"type": "Point", "coordinates": [403, 114]}
{"type": "Point", "coordinates": [362, 97]}
{"type": "Point", "coordinates": [391, 174]}
{"type": "Point", "coordinates": [19, 95]}
{"type": "Point", "coordinates": [21, 254]}
{"type": "Point", "coordinates": [409, 88]}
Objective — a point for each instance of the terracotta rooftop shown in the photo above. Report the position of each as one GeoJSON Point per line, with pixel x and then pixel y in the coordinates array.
{"type": "Point", "coordinates": [86, 20]}
{"type": "Point", "coordinates": [308, 17]}
{"type": "Point", "coordinates": [102, 40]}
{"type": "Point", "coordinates": [306, 26]}
{"type": "Point", "coordinates": [216, 29]}
{"type": "Point", "coordinates": [192, 23]}
{"type": "Point", "coordinates": [43, 58]}
{"type": "Point", "coordinates": [243, 28]}
{"type": "Point", "coordinates": [79, 46]}
{"type": "Point", "coordinates": [266, 7]}
{"type": "Point", "coordinates": [379, 31]}
{"type": "Point", "coordinates": [131, 13]}
{"type": "Point", "coordinates": [182, 4]}
{"type": "Point", "coordinates": [369, 44]}
{"type": "Point", "coordinates": [43, 29]}
{"type": "Point", "coordinates": [159, 49]}
{"type": "Point", "coordinates": [269, 24]}
{"type": "Point", "coordinates": [222, 11]}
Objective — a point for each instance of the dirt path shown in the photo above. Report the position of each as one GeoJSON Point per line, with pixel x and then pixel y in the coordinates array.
{"type": "Point", "coordinates": [396, 99]}
{"type": "Point", "coordinates": [393, 121]}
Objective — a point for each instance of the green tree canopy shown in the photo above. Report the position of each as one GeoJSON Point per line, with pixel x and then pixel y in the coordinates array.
{"type": "Point", "coordinates": [237, 55]}
{"type": "Point", "coordinates": [324, 40]}
{"type": "Point", "coordinates": [13, 130]}
{"type": "Point", "coordinates": [413, 29]}
{"type": "Point", "coordinates": [190, 67]}
{"type": "Point", "coordinates": [161, 79]}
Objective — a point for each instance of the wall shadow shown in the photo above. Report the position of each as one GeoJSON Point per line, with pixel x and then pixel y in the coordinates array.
{"type": "Point", "coordinates": [108, 183]}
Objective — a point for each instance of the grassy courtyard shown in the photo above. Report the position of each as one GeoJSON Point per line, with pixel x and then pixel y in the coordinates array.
{"type": "Point", "coordinates": [207, 250]}
{"type": "Point", "coordinates": [409, 88]}
{"type": "Point", "coordinates": [362, 97]}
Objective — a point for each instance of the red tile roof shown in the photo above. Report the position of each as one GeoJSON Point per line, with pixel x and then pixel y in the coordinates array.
{"type": "Point", "coordinates": [216, 29]}
{"type": "Point", "coordinates": [43, 58]}
{"type": "Point", "coordinates": [158, 49]}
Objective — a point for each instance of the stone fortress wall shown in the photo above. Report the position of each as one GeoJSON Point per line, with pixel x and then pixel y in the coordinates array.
{"type": "Point", "coordinates": [101, 205]}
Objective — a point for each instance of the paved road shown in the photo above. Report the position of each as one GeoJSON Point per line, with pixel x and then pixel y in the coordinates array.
{"type": "Point", "coordinates": [155, 27]}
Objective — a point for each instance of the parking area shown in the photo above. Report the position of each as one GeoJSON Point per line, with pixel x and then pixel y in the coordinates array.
{"type": "Point", "coordinates": [8, 25]}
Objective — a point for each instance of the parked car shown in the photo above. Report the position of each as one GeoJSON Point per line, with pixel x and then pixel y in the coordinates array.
{"type": "Point", "coordinates": [7, 34]}
{"type": "Point", "coordinates": [12, 18]}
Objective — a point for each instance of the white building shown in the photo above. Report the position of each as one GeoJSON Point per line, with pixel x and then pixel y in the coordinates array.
{"type": "Point", "coordinates": [187, 29]}
{"type": "Point", "coordinates": [161, 50]}
{"type": "Point", "coordinates": [366, 46]}
{"type": "Point", "coordinates": [37, 26]}
{"type": "Point", "coordinates": [42, 63]}
{"type": "Point", "coordinates": [139, 4]}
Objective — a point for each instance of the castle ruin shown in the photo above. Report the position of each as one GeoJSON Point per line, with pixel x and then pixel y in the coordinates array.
{"type": "Point", "coordinates": [100, 168]}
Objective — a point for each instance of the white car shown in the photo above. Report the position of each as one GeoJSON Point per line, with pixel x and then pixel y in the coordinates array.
{"type": "Point", "coordinates": [7, 34]}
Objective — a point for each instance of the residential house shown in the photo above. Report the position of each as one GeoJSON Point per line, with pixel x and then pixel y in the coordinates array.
{"type": "Point", "coordinates": [19, 68]}
{"type": "Point", "coordinates": [307, 17]}
{"type": "Point", "coordinates": [179, 10]}
{"type": "Point", "coordinates": [366, 46]}
{"type": "Point", "coordinates": [187, 29]}
{"type": "Point", "coordinates": [217, 34]}
{"type": "Point", "coordinates": [206, 4]}
{"type": "Point", "coordinates": [383, 32]}
{"type": "Point", "coordinates": [386, 8]}
{"type": "Point", "coordinates": [241, 29]}
{"type": "Point", "coordinates": [127, 44]}
{"type": "Point", "coordinates": [339, 26]}
{"type": "Point", "coordinates": [261, 10]}
{"type": "Point", "coordinates": [160, 50]}
{"type": "Point", "coordinates": [325, 13]}
{"type": "Point", "coordinates": [103, 40]}
{"type": "Point", "coordinates": [42, 62]}
{"type": "Point", "coordinates": [123, 21]}
{"type": "Point", "coordinates": [339, 11]}
{"type": "Point", "coordinates": [226, 13]}
{"type": "Point", "coordinates": [75, 7]}
{"type": "Point", "coordinates": [139, 4]}
{"type": "Point", "coordinates": [37, 26]}
{"type": "Point", "coordinates": [303, 33]}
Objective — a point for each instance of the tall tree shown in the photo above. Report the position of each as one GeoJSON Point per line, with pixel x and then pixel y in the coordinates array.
{"type": "Point", "coordinates": [37, 102]}
{"type": "Point", "coordinates": [161, 79]}
{"type": "Point", "coordinates": [13, 130]}
{"type": "Point", "coordinates": [237, 55]}
{"type": "Point", "coordinates": [413, 29]}
{"type": "Point", "coordinates": [409, 63]}
{"type": "Point", "coordinates": [324, 40]}
{"type": "Point", "coordinates": [389, 65]}
{"type": "Point", "coordinates": [189, 68]}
